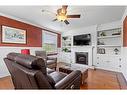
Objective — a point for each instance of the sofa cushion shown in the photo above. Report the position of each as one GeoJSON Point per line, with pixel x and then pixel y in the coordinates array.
{"type": "Point", "coordinates": [57, 76]}
{"type": "Point", "coordinates": [50, 62]}
{"type": "Point", "coordinates": [51, 81]}
{"type": "Point", "coordinates": [29, 61]}
{"type": "Point", "coordinates": [12, 56]}
{"type": "Point", "coordinates": [49, 70]}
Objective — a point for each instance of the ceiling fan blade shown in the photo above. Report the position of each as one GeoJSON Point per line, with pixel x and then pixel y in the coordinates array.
{"type": "Point", "coordinates": [73, 16]}
{"type": "Point", "coordinates": [66, 22]}
{"type": "Point", "coordinates": [47, 11]}
{"type": "Point", "coordinates": [54, 20]}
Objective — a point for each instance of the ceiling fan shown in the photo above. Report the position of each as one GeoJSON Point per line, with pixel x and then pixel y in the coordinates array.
{"type": "Point", "coordinates": [62, 16]}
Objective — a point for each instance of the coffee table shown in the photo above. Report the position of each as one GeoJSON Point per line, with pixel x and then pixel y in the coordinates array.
{"type": "Point", "coordinates": [68, 68]}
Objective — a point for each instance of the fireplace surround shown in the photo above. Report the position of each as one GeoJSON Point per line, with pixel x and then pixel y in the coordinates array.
{"type": "Point", "coordinates": [81, 57]}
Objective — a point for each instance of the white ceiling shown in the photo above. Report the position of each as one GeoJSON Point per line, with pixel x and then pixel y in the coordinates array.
{"type": "Point", "coordinates": [90, 15]}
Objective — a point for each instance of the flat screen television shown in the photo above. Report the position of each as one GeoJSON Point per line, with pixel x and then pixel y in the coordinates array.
{"type": "Point", "coordinates": [80, 40]}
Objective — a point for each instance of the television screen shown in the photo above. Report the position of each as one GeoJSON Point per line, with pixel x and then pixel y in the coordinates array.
{"type": "Point", "coordinates": [84, 39]}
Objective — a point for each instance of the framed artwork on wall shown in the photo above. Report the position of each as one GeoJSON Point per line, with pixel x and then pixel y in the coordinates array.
{"type": "Point", "coordinates": [13, 35]}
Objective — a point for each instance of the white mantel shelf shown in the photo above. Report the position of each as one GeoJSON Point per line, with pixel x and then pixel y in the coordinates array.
{"type": "Point", "coordinates": [87, 46]}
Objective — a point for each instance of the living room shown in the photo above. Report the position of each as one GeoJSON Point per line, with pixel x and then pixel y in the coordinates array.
{"type": "Point", "coordinates": [92, 42]}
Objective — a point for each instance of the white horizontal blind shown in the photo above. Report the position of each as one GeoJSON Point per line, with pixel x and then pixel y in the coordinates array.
{"type": "Point", "coordinates": [49, 38]}
{"type": "Point", "coordinates": [49, 41]}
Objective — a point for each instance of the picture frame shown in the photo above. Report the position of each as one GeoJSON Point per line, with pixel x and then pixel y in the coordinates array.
{"type": "Point", "coordinates": [13, 35]}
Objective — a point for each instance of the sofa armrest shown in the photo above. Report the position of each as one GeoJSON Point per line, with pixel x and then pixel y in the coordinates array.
{"type": "Point", "coordinates": [51, 58]}
{"type": "Point", "coordinates": [71, 81]}
{"type": "Point", "coordinates": [42, 58]}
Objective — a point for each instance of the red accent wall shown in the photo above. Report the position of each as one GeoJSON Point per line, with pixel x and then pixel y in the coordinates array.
{"type": "Point", "coordinates": [34, 33]}
{"type": "Point", "coordinates": [59, 40]}
{"type": "Point", "coordinates": [125, 32]}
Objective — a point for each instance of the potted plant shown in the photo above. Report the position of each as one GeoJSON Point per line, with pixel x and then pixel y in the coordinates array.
{"type": "Point", "coordinates": [102, 34]}
{"type": "Point", "coordinates": [64, 38]}
{"type": "Point", "coordinates": [65, 50]}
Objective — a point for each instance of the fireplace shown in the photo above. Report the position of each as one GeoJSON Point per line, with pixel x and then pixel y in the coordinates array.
{"type": "Point", "coordinates": [81, 57]}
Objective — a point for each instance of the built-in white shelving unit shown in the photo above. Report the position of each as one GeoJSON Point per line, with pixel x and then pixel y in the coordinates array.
{"type": "Point", "coordinates": [109, 43]}
{"type": "Point", "coordinates": [66, 44]}
{"type": "Point", "coordinates": [66, 49]}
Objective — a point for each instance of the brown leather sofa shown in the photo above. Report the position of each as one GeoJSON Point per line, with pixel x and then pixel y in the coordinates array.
{"type": "Point", "coordinates": [30, 72]}
{"type": "Point", "coordinates": [51, 62]}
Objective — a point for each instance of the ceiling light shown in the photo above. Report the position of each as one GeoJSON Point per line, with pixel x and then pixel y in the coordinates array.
{"type": "Point", "coordinates": [61, 17]}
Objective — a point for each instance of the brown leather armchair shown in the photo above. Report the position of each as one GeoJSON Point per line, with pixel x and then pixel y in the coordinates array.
{"type": "Point", "coordinates": [51, 62]}
{"type": "Point", "coordinates": [29, 72]}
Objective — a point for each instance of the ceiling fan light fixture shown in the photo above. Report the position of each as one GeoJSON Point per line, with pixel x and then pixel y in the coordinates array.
{"type": "Point", "coordinates": [61, 17]}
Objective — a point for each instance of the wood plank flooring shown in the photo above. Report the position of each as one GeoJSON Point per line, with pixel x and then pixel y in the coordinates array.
{"type": "Point", "coordinates": [97, 79]}
{"type": "Point", "coordinates": [102, 79]}
{"type": "Point", "coordinates": [6, 83]}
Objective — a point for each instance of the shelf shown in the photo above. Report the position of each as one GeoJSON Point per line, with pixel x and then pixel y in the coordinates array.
{"type": "Point", "coordinates": [108, 45]}
{"type": "Point", "coordinates": [108, 54]}
{"type": "Point", "coordinates": [66, 46]}
{"type": "Point", "coordinates": [66, 52]}
{"type": "Point", "coordinates": [67, 41]}
{"type": "Point", "coordinates": [104, 37]}
{"type": "Point", "coordinates": [108, 29]}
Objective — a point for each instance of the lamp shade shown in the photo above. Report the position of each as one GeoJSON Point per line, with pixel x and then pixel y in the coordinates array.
{"type": "Point", "coordinates": [25, 51]}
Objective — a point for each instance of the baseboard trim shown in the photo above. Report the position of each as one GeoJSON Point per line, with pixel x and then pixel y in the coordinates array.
{"type": "Point", "coordinates": [107, 69]}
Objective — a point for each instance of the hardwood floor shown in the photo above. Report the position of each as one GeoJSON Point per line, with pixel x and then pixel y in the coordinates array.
{"type": "Point", "coordinates": [102, 79]}
{"type": "Point", "coordinates": [97, 79]}
{"type": "Point", "coordinates": [6, 83]}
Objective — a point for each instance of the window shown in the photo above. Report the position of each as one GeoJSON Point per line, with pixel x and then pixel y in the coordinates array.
{"type": "Point", "coordinates": [49, 41]}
